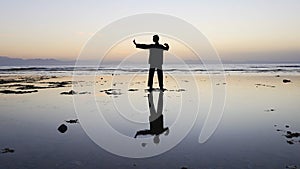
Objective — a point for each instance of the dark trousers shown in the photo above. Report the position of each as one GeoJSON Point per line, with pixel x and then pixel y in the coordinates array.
{"type": "Point", "coordinates": [159, 76]}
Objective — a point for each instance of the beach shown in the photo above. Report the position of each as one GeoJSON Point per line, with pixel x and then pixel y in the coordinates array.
{"type": "Point", "coordinates": [261, 113]}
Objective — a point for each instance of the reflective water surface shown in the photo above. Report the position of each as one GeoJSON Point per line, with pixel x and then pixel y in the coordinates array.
{"type": "Point", "coordinates": [251, 133]}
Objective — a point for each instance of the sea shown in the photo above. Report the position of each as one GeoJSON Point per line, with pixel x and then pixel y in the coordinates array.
{"type": "Point", "coordinates": [69, 70]}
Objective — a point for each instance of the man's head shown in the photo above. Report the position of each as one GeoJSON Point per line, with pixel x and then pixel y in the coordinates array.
{"type": "Point", "coordinates": [155, 38]}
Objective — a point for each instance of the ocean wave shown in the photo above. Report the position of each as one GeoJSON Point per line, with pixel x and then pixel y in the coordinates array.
{"type": "Point", "coordinates": [144, 69]}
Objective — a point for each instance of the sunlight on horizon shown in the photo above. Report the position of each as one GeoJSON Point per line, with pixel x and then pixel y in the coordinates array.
{"type": "Point", "coordinates": [238, 30]}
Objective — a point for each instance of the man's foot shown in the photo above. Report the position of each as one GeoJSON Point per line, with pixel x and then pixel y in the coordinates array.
{"type": "Point", "coordinates": [150, 89]}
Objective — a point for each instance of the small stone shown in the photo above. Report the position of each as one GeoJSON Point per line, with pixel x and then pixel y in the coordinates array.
{"type": "Point", "coordinates": [62, 128]}
{"type": "Point", "coordinates": [291, 167]}
{"type": "Point", "coordinates": [133, 90]}
{"type": "Point", "coordinates": [7, 150]}
{"type": "Point", "coordinates": [72, 121]}
{"type": "Point", "coordinates": [71, 92]}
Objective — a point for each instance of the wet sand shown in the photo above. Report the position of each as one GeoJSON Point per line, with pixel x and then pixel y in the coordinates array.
{"type": "Point", "coordinates": [252, 133]}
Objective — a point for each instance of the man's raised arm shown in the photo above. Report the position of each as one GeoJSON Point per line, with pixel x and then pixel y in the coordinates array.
{"type": "Point", "coordinates": [141, 46]}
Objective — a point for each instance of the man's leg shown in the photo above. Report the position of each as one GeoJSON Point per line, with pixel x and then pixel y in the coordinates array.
{"type": "Point", "coordinates": [150, 77]}
{"type": "Point", "coordinates": [160, 78]}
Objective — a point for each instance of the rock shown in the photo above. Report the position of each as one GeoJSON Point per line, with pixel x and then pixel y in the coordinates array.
{"type": "Point", "coordinates": [27, 87]}
{"type": "Point", "coordinates": [62, 128]}
{"type": "Point", "coordinates": [112, 91]}
{"type": "Point", "coordinates": [58, 84]}
{"type": "Point", "coordinates": [270, 110]}
{"type": "Point", "coordinates": [84, 93]}
{"type": "Point", "coordinates": [180, 90]}
{"type": "Point", "coordinates": [286, 81]}
{"type": "Point", "coordinates": [133, 90]}
{"type": "Point", "coordinates": [71, 92]}
{"type": "Point", "coordinates": [17, 92]}
{"type": "Point", "coordinates": [7, 150]}
{"type": "Point", "coordinates": [291, 167]}
{"type": "Point", "coordinates": [290, 134]}
{"type": "Point", "coordinates": [72, 121]}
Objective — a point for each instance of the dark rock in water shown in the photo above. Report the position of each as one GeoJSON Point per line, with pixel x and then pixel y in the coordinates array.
{"type": "Point", "coordinates": [180, 90]}
{"type": "Point", "coordinates": [112, 91]}
{"type": "Point", "coordinates": [270, 110]}
{"type": "Point", "coordinates": [144, 144]}
{"type": "Point", "coordinates": [290, 134]}
{"type": "Point", "coordinates": [7, 150]}
{"type": "Point", "coordinates": [290, 142]}
{"type": "Point", "coordinates": [71, 92]}
{"type": "Point", "coordinates": [286, 81]}
{"type": "Point", "coordinates": [17, 92]}
{"type": "Point", "coordinates": [27, 87]}
{"type": "Point", "coordinates": [58, 84]}
{"type": "Point", "coordinates": [62, 128]}
{"type": "Point", "coordinates": [277, 76]}
{"type": "Point", "coordinates": [84, 93]}
{"type": "Point", "coordinates": [265, 85]}
{"type": "Point", "coordinates": [133, 90]}
{"type": "Point", "coordinates": [291, 167]}
{"type": "Point", "coordinates": [287, 126]}
{"type": "Point", "coordinates": [72, 121]}
{"type": "Point", "coordinates": [184, 168]}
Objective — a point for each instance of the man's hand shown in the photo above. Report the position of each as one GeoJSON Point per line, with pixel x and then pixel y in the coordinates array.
{"type": "Point", "coordinates": [134, 41]}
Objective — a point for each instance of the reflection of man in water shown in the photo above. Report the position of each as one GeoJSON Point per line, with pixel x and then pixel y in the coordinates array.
{"type": "Point", "coordinates": [155, 60]}
{"type": "Point", "coordinates": [156, 120]}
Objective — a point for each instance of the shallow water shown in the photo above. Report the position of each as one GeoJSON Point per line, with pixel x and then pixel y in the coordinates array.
{"type": "Point", "coordinates": [245, 137]}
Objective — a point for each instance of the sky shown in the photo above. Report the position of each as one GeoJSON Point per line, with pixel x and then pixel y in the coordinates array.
{"type": "Point", "coordinates": [240, 31]}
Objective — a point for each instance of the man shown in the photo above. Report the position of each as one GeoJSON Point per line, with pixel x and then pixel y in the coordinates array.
{"type": "Point", "coordinates": [155, 60]}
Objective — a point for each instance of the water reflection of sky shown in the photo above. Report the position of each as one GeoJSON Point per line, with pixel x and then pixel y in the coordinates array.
{"type": "Point", "coordinates": [245, 138]}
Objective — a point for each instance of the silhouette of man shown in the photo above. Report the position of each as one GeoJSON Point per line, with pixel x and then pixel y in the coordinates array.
{"type": "Point", "coordinates": [155, 60]}
{"type": "Point", "coordinates": [156, 120]}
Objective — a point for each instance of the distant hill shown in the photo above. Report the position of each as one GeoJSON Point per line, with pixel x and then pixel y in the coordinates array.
{"type": "Point", "coordinates": [7, 61]}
